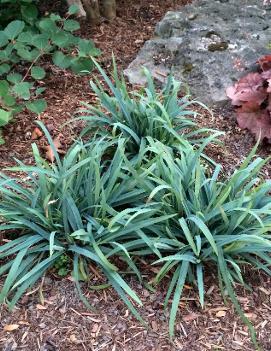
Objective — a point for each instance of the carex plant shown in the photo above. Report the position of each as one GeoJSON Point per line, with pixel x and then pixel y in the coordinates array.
{"type": "Point", "coordinates": [86, 206]}
{"type": "Point", "coordinates": [138, 187]}
{"type": "Point", "coordinates": [148, 112]}
{"type": "Point", "coordinates": [222, 223]}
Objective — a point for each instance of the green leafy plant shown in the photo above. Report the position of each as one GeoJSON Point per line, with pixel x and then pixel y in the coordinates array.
{"type": "Point", "coordinates": [4, 119]}
{"type": "Point", "coordinates": [24, 45]}
{"type": "Point", "coordinates": [25, 10]}
{"type": "Point", "coordinates": [62, 265]}
{"type": "Point", "coordinates": [161, 115]}
{"type": "Point", "coordinates": [86, 206]}
{"type": "Point", "coordinates": [221, 223]}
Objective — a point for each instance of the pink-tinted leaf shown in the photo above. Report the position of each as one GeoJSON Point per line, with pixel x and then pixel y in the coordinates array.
{"type": "Point", "coordinates": [265, 62]}
{"type": "Point", "coordinates": [248, 88]}
{"type": "Point", "coordinates": [232, 94]}
{"type": "Point", "coordinates": [252, 96]}
{"type": "Point", "coordinates": [258, 122]}
{"type": "Point", "coordinates": [267, 76]}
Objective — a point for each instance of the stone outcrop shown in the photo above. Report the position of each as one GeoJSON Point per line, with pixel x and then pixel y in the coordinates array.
{"type": "Point", "coordinates": [207, 45]}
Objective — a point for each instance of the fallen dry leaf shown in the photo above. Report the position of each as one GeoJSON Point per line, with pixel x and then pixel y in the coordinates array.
{"type": "Point", "coordinates": [41, 307]}
{"type": "Point", "coordinates": [49, 154]}
{"type": "Point", "coordinates": [95, 328]}
{"type": "Point", "coordinates": [190, 317]}
{"type": "Point", "coordinates": [154, 326]}
{"type": "Point", "coordinates": [11, 327]}
{"type": "Point", "coordinates": [251, 315]}
{"type": "Point", "coordinates": [36, 134]}
{"type": "Point", "coordinates": [73, 339]}
{"type": "Point", "coordinates": [220, 314]}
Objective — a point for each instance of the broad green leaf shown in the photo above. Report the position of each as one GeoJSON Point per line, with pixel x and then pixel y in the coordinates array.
{"type": "Point", "coordinates": [41, 41]}
{"type": "Point", "coordinates": [37, 106]}
{"type": "Point", "coordinates": [86, 47]}
{"type": "Point", "coordinates": [25, 54]}
{"type": "Point", "coordinates": [4, 117]}
{"type": "Point", "coordinates": [71, 25]}
{"type": "Point", "coordinates": [48, 25]}
{"type": "Point", "coordinates": [13, 29]}
{"type": "Point", "coordinates": [39, 91]}
{"type": "Point", "coordinates": [55, 17]}
{"type": "Point", "coordinates": [4, 68]}
{"type": "Point", "coordinates": [61, 39]}
{"type": "Point", "coordinates": [82, 65]}
{"type": "Point", "coordinates": [73, 9]}
{"type": "Point", "coordinates": [9, 100]}
{"type": "Point", "coordinates": [37, 72]}
{"type": "Point", "coordinates": [25, 37]}
{"type": "Point", "coordinates": [3, 38]}
{"type": "Point", "coordinates": [22, 90]}
{"type": "Point", "coordinates": [4, 87]}
{"type": "Point", "coordinates": [17, 108]}
{"type": "Point", "coordinates": [61, 60]}
{"type": "Point", "coordinates": [29, 13]}
{"type": "Point", "coordinates": [14, 77]}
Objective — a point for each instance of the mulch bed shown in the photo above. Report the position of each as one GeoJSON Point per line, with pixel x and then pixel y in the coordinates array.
{"type": "Point", "coordinates": [51, 317]}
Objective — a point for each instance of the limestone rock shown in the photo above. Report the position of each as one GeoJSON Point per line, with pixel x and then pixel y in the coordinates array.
{"type": "Point", "coordinates": [207, 45]}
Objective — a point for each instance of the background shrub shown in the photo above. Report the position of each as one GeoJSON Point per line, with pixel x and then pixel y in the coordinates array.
{"type": "Point", "coordinates": [24, 45]}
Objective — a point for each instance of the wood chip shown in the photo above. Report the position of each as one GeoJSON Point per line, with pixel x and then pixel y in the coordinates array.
{"type": "Point", "coordinates": [251, 315]}
{"type": "Point", "coordinates": [154, 326]}
{"type": "Point", "coordinates": [11, 327]}
{"type": "Point", "coordinates": [220, 314]}
{"type": "Point", "coordinates": [190, 317]}
{"type": "Point", "coordinates": [265, 291]}
{"type": "Point", "coordinates": [73, 339]}
{"type": "Point", "coordinates": [36, 134]}
{"type": "Point", "coordinates": [95, 328]}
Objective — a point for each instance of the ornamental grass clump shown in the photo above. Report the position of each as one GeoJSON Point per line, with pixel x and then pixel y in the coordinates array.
{"type": "Point", "coordinates": [222, 223]}
{"type": "Point", "coordinates": [140, 187]}
{"type": "Point", "coordinates": [149, 112]}
{"type": "Point", "coordinates": [86, 206]}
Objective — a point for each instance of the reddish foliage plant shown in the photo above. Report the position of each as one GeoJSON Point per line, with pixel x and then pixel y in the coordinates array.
{"type": "Point", "coordinates": [252, 97]}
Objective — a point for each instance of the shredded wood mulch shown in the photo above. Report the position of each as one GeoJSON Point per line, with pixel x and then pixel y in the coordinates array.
{"type": "Point", "coordinates": [52, 317]}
